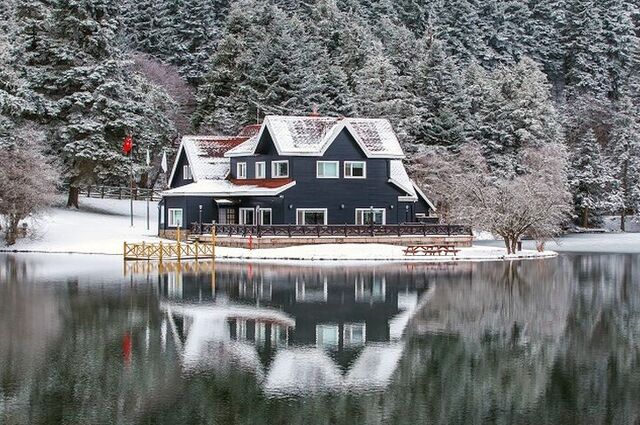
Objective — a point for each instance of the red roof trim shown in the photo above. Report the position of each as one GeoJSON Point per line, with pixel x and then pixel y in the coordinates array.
{"type": "Point", "coordinates": [266, 183]}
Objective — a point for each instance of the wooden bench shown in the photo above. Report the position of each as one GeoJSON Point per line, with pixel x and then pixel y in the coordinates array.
{"type": "Point", "coordinates": [430, 250]}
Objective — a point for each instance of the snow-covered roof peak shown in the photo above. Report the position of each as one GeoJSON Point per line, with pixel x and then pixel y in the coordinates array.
{"type": "Point", "coordinates": [312, 135]}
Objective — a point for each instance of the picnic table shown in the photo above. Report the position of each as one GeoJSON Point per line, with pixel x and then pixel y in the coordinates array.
{"type": "Point", "coordinates": [430, 250]}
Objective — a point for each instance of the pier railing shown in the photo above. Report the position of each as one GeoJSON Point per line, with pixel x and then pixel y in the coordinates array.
{"type": "Point", "coordinates": [345, 230]}
{"type": "Point", "coordinates": [169, 251]}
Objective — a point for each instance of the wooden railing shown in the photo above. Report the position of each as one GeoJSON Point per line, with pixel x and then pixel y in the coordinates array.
{"type": "Point", "coordinates": [346, 230]}
{"type": "Point", "coordinates": [120, 192]}
{"type": "Point", "coordinates": [169, 251]}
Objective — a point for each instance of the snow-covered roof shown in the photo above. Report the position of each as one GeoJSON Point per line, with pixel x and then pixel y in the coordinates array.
{"type": "Point", "coordinates": [399, 177]}
{"type": "Point", "coordinates": [227, 188]}
{"type": "Point", "coordinates": [311, 136]}
{"type": "Point", "coordinates": [206, 154]}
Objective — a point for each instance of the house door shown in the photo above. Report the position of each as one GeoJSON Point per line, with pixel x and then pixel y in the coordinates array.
{"type": "Point", "coordinates": [227, 215]}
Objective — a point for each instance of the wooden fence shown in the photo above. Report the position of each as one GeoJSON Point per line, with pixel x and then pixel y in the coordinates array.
{"type": "Point", "coordinates": [120, 192]}
{"type": "Point", "coordinates": [346, 230]}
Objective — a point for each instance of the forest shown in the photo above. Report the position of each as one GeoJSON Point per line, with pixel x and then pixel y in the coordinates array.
{"type": "Point", "coordinates": [504, 75]}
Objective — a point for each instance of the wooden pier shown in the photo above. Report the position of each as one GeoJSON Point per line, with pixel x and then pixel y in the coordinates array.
{"type": "Point", "coordinates": [167, 251]}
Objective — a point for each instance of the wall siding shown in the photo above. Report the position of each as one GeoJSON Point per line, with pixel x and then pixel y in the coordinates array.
{"type": "Point", "coordinates": [178, 177]}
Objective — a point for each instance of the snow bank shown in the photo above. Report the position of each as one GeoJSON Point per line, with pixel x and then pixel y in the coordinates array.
{"type": "Point", "coordinates": [100, 226]}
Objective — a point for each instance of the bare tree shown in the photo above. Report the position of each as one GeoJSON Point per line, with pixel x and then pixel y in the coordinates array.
{"type": "Point", "coordinates": [28, 180]}
{"type": "Point", "coordinates": [535, 202]}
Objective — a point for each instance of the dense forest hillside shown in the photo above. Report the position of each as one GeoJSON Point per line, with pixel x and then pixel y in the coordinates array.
{"type": "Point", "coordinates": [503, 73]}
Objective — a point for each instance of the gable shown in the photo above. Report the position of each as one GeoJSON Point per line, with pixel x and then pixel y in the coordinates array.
{"type": "Point", "coordinates": [177, 179]}
{"type": "Point", "coordinates": [344, 145]}
{"type": "Point", "coordinates": [265, 145]}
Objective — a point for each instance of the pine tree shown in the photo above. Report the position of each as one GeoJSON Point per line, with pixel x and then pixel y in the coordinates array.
{"type": "Point", "coordinates": [590, 179]}
{"type": "Point", "coordinates": [442, 106]}
{"type": "Point", "coordinates": [517, 111]}
{"type": "Point", "coordinates": [92, 98]}
{"type": "Point", "coordinates": [625, 155]}
{"type": "Point", "coordinates": [381, 93]}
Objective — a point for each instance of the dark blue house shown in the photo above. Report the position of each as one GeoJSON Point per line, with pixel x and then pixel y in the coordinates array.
{"type": "Point", "coordinates": [294, 170]}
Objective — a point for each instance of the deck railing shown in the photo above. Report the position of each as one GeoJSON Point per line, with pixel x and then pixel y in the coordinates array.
{"type": "Point", "coordinates": [346, 230]}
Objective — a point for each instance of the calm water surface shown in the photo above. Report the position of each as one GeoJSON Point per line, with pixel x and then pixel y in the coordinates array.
{"type": "Point", "coordinates": [86, 340]}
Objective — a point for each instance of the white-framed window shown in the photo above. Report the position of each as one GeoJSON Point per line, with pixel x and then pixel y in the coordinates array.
{"type": "Point", "coordinates": [327, 335]}
{"type": "Point", "coordinates": [372, 289]}
{"type": "Point", "coordinates": [327, 169]}
{"type": "Point", "coordinates": [279, 169]}
{"type": "Point", "coordinates": [311, 216]}
{"type": "Point", "coordinates": [175, 217]}
{"type": "Point", "coordinates": [366, 216]}
{"type": "Point", "coordinates": [312, 292]}
{"type": "Point", "coordinates": [266, 216]}
{"type": "Point", "coordinates": [355, 169]}
{"type": "Point", "coordinates": [261, 170]}
{"type": "Point", "coordinates": [241, 170]}
{"type": "Point", "coordinates": [247, 216]}
{"type": "Point", "coordinates": [186, 172]}
{"type": "Point", "coordinates": [354, 334]}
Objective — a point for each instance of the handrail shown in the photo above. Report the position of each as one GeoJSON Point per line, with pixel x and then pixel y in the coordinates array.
{"type": "Point", "coordinates": [346, 230]}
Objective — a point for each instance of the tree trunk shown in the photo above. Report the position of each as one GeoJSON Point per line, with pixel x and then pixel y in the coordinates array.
{"type": "Point", "coordinates": [72, 200]}
{"type": "Point", "coordinates": [11, 233]}
{"type": "Point", "coordinates": [625, 182]}
{"type": "Point", "coordinates": [585, 218]}
{"type": "Point", "coordinates": [508, 242]}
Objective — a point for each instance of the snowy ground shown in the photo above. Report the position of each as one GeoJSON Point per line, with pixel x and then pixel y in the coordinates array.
{"type": "Point", "coordinates": [369, 252]}
{"type": "Point", "coordinates": [612, 243]}
{"type": "Point", "coordinates": [100, 226]}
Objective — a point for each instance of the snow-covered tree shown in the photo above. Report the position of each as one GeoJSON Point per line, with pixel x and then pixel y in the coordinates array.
{"type": "Point", "coordinates": [625, 155]}
{"type": "Point", "coordinates": [91, 95]}
{"type": "Point", "coordinates": [28, 180]}
{"type": "Point", "coordinates": [517, 111]}
{"type": "Point", "coordinates": [590, 179]}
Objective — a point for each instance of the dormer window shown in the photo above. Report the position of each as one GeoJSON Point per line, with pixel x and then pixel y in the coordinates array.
{"type": "Point", "coordinates": [186, 172]}
{"type": "Point", "coordinates": [355, 170]}
{"type": "Point", "coordinates": [241, 170]}
{"type": "Point", "coordinates": [279, 169]}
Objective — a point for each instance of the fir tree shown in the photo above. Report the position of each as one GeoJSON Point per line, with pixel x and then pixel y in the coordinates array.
{"type": "Point", "coordinates": [590, 179]}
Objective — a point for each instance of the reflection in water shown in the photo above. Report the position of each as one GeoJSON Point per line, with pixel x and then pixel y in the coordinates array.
{"type": "Point", "coordinates": [553, 341]}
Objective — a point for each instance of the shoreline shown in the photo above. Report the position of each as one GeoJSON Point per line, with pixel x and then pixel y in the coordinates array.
{"type": "Point", "coordinates": [317, 256]}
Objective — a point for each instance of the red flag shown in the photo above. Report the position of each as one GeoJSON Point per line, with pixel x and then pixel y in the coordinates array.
{"type": "Point", "coordinates": [127, 145]}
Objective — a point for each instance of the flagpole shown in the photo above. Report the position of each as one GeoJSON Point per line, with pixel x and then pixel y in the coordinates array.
{"type": "Point", "coordinates": [131, 194]}
{"type": "Point", "coordinates": [148, 190]}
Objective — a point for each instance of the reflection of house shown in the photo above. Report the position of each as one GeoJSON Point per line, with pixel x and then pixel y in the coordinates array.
{"type": "Point", "coordinates": [313, 330]}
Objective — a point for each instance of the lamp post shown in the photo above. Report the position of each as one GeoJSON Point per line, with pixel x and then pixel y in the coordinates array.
{"type": "Point", "coordinates": [200, 219]}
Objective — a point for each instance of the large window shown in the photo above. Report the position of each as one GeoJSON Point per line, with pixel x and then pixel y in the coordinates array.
{"type": "Point", "coordinates": [241, 170]}
{"type": "Point", "coordinates": [311, 216]}
{"type": "Point", "coordinates": [279, 169]}
{"type": "Point", "coordinates": [327, 169]}
{"type": "Point", "coordinates": [370, 216]}
{"type": "Point", "coordinates": [247, 216]}
{"type": "Point", "coordinates": [355, 169]}
{"type": "Point", "coordinates": [327, 335]}
{"type": "Point", "coordinates": [175, 217]}
{"type": "Point", "coordinates": [265, 216]}
{"type": "Point", "coordinates": [260, 170]}
{"type": "Point", "coordinates": [186, 172]}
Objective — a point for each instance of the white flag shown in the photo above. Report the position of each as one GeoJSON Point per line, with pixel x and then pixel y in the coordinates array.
{"type": "Point", "coordinates": [164, 161]}
{"type": "Point", "coordinates": [148, 158]}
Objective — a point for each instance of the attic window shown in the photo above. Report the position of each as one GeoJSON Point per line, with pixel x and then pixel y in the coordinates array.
{"type": "Point", "coordinates": [186, 172]}
{"type": "Point", "coordinates": [355, 169]}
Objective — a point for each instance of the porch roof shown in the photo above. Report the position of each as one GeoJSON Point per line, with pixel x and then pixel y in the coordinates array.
{"type": "Point", "coordinates": [224, 188]}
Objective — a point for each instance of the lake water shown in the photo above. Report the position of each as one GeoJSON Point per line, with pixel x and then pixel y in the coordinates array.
{"type": "Point", "coordinates": [86, 340]}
